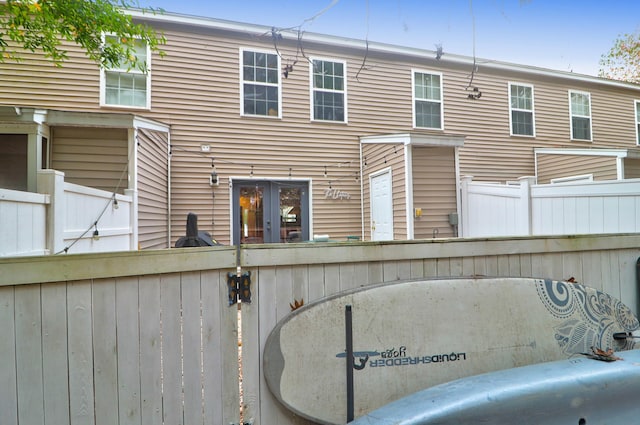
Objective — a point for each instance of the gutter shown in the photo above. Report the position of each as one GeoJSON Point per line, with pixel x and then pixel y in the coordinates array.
{"type": "Point", "coordinates": [351, 43]}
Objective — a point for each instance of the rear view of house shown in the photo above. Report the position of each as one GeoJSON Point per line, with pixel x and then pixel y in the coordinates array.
{"type": "Point", "coordinates": [274, 137]}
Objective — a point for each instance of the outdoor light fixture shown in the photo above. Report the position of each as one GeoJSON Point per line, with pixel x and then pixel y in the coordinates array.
{"type": "Point", "coordinates": [213, 179]}
{"type": "Point", "coordinates": [96, 234]}
{"type": "Point", "coordinates": [477, 94]}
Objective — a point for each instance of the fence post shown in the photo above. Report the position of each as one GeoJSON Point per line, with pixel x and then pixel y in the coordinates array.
{"type": "Point", "coordinates": [51, 182]}
{"type": "Point", "coordinates": [133, 219]}
{"type": "Point", "coordinates": [463, 230]}
{"type": "Point", "coordinates": [525, 225]}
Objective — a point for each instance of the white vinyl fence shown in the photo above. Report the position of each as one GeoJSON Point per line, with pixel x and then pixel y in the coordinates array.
{"type": "Point", "coordinates": [551, 209]}
{"type": "Point", "coordinates": [66, 216]}
{"type": "Point", "coordinates": [23, 218]}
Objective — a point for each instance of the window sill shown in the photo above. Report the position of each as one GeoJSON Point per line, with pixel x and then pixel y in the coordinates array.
{"type": "Point", "coordinates": [329, 122]}
{"type": "Point", "coordinates": [264, 117]}
{"type": "Point", "coordinates": [126, 108]}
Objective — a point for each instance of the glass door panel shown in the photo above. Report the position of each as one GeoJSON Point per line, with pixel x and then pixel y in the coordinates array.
{"type": "Point", "coordinates": [252, 214]}
{"type": "Point", "coordinates": [270, 212]}
{"type": "Point", "coordinates": [290, 214]}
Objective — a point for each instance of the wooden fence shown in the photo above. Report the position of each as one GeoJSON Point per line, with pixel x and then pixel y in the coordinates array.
{"type": "Point", "coordinates": [149, 338]}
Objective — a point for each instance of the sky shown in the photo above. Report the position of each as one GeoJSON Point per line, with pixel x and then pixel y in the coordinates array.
{"type": "Point", "coordinates": [565, 35]}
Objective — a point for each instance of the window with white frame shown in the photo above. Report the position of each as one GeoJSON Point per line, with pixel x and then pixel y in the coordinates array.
{"type": "Point", "coordinates": [580, 106]}
{"type": "Point", "coordinates": [521, 109]}
{"type": "Point", "coordinates": [127, 85]}
{"type": "Point", "coordinates": [637, 102]}
{"type": "Point", "coordinates": [260, 88]}
{"type": "Point", "coordinates": [427, 100]}
{"type": "Point", "coordinates": [328, 90]}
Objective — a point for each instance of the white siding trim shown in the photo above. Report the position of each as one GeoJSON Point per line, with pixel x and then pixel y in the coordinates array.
{"type": "Point", "coordinates": [571, 115]}
{"type": "Point", "coordinates": [636, 109]}
{"type": "Point", "coordinates": [408, 181]}
{"type": "Point", "coordinates": [533, 109]}
{"type": "Point", "coordinates": [344, 91]}
{"type": "Point", "coordinates": [362, 45]}
{"type": "Point", "coordinates": [413, 98]}
{"type": "Point", "coordinates": [103, 88]}
{"type": "Point", "coordinates": [621, 153]}
{"type": "Point", "coordinates": [241, 81]}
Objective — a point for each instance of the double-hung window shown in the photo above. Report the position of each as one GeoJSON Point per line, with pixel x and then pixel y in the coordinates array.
{"type": "Point", "coordinates": [427, 100]}
{"type": "Point", "coordinates": [260, 87]}
{"type": "Point", "coordinates": [637, 103]}
{"type": "Point", "coordinates": [328, 90]}
{"type": "Point", "coordinates": [580, 107]}
{"type": "Point", "coordinates": [127, 85]}
{"type": "Point", "coordinates": [521, 109]}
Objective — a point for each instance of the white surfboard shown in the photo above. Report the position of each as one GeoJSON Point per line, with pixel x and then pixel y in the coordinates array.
{"type": "Point", "coordinates": [413, 335]}
{"type": "Point", "coordinates": [579, 391]}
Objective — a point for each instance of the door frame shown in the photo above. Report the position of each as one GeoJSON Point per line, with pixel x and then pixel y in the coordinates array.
{"type": "Point", "coordinates": [372, 176]}
{"type": "Point", "coordinates": [271, 203]}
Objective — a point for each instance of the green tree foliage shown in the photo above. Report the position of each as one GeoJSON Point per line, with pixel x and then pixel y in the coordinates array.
{"type": "Point", "coordinates": [622, 62]}
{"type": "Point", "coordinates": [42, 25]}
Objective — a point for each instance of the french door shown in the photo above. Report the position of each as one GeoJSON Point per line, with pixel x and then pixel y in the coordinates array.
{"type": "Point", "coordinates": [269, 211]}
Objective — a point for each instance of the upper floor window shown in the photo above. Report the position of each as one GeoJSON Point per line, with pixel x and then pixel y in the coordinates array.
{"type": "Point", "coordinates": [260, 88]}
{"type": "Point", "coordinates": [521, 108]}
{"type": "Point", "coordinates": [127, 85]}
{"type": "Point", "coordinates": [637, 102]}
{"type": "Point", "coordinates": [580, 106]}
{"type": "Point", "coordinates": [427, 100]}
{"type": "Point", "coordinates": [328, 90]}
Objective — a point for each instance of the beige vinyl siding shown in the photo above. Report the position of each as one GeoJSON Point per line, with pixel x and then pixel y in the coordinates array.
{"type": "Point", "coordinates": [434, 190]}
{"type": "Point", "coordinates": [153, 184]}
{"type": "Point", "coordinates": [631, 168]}
{"type": "Point", "coordinates": [204, 108]}
{"type": "Point", "coordinates": [378, 157]}
{"type": "Point", "coordinates": [36, 82]}
{"type": "Point", "coordinates": [196, 90]}
{"type": "Point", "coordinates": [557, 166]}
{"type": "Point", "coordinates": [94, 157]}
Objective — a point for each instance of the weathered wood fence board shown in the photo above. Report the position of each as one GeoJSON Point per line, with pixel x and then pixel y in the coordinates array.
{"type": "Point", "coordinates": [142, 349]}
{"type": "Point", "coordinates": [148, 338]}
{"type": "Point", "coordinates": [592, 260]}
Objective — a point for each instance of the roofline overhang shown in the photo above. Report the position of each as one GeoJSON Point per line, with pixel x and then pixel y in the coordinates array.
{"type": "Point", "coordinates": [415, 139]}
{"type": "Point", "coordinates": [371, 46]}
{"type": "Point", "coordinates": [100, 119]}
{"type": "Point", "coordinates": [51, 117]}
{"type": "Point", "coordinates": [618, 153]}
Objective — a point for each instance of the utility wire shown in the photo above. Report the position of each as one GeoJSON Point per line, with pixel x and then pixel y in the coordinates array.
{"type": "Point", "coordinates": [112, 198]}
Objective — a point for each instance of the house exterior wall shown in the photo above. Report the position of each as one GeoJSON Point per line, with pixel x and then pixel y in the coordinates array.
{"type": "Point", "coordinates": [434, 191]}
{"type": "Point", "coordinates": [153, 184]}
{"type": "Point", "coordinates": [631, 168]}
{"type": "Point", "coordinates": [196, 90]}
{"type": "Point", "coordinates": [94, 157]}
{"type": "Point", "coordinates": [557, 166]}
{"type": "Point", "coordinates": [377, 157]}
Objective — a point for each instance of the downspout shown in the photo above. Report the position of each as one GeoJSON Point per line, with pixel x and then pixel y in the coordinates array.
{"type": "Point", "coordinates": [361, 194]}
{"type": "Point", "coordinates": [408, 181]}
{"type": "Point", "coordinates": [169, 188]}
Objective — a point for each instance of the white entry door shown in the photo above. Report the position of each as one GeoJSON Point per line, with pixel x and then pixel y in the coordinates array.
{"type": "Point", "coordinates": [381, 206]}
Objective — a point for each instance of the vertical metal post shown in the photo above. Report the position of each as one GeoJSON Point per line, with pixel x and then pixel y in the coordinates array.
{"type": "Point", "coordinates": [638, 286]}
{"type": "Point", "coordinates": [349, 337]}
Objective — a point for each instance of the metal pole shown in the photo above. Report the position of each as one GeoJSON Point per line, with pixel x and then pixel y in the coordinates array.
{"type": "Point", "coordinates": [349, 336]}
{"type": "Point", "coordinates": [638, 285]}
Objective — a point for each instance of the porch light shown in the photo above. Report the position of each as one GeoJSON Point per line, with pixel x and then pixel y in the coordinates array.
{"type": "Point", "coordinates": [213, 179]}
